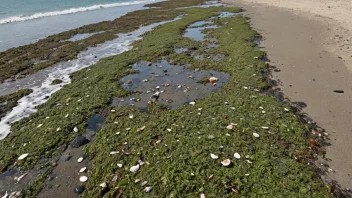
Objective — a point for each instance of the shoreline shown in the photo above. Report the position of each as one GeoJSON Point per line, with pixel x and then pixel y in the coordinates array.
{"type": "Point", "coordinates": [309, 72]}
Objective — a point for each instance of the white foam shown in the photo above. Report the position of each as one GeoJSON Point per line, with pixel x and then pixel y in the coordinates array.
{"type": "Point", "coordinates": [26, 105]}
{"type": "Point", "coordinates": [19, 18]}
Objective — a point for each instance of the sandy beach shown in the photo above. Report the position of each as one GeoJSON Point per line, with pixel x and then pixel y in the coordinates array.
{"type": "Point", "coordinates": [309, 42]}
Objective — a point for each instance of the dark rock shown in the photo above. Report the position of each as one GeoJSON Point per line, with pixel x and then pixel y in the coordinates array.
{"type": "Point", "coordinates": [56, 81]}
{"type": "Point", "coordinates": [65, 158]}
{"type": "Point", "coordinates": [339, 91]}
{"type": "Point", "coordinates": [79, 189]}
{"type": "Point", "coordinates": [129, 34]}
{"type": "Point", "coordinates": [79, 141]}
{"type": "Point", "coordinates": [46, 97]}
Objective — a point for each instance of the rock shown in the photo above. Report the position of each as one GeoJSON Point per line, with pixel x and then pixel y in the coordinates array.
{"type": "Point", "coordinates": [56, 81]}
{"type": "Point", "coordinates": [65, 158]}
{"type": "Point", "coordinates": [79, 141]}
{"type": "Point", "coordinates": [51, 177]}
{"type": "Point", "coordinates": [79, 189]}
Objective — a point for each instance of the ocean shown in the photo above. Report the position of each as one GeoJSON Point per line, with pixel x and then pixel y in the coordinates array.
{"type": "Point", "coordinates": [23, 22]}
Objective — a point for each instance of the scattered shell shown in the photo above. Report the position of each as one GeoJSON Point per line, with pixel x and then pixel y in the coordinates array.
{"type": "Point", "coordinates": [158, 141]}
{"type": "Point", "coordinates": [119, 165]}
{"type": "Point", "coordinates": [134, 168]}
{"type": "Point", "coordinates": [245, 87]}
{"type": "Point", "coordinates": [128, 129]}
{"type": "Point", "coordinates": [117, 133]}
{"type": "Point", "coordinates": [237, 156]}
{"type": "Point", "coordinates": [261, 107]}
{"type": "Point", "coordinates": [80, 159]}
{"type": "Point", "coordinates": [263, 112]}
{"type": "Point", "coordinates": [265, 127]}
{"type": "Point", "coordinates": [192, 103]}
{"type": "Point", "coordinates": [21, 177]}
{"type": "Point", "coordinates": [230, 126]}
{"type": "Point", "coordinates": [131, 116]}
{"type": "Point", "coordinates": [144, 183]}
{"type": "Point", "coordinates": [169, 130]}
{"type": "Point", "coordinates": [103, 185]}
{"type": "Point", "coordinates": [83, 169]}
{"type": "Point", "coordinates": [249, 162]}
{"type": "Point", "coordinates": [256, 135]}
{"type": "Point", "coordinates": [58, 129]}
{"type": "Point", "coordinates": [286, 109]}
{"type": "Point", "coordinates": [213, 156]}
{"type": "Point", "coordinates": [228, 134]}
{"type": "Point", "coordinates": [145, 80]}
{"type": "Point", "coordinates": [75, 129]}
{"type": "Point", "coordinates": [202, 195]}
{"type": "Point", "coordinates": [83, 179]}
{"type": "Point", "coordinates": [212, 79]}
{"type": "Point", "coordinates": [114, 152]}
{"type": "Point", "coordinates": [39, 125]}
{"type": "Point", "coordinates": [147, 189]}
{"type": "Point", "coordinates": [226, 162]}
{"type": "Point", "coordinates": [137, 180]}
{"type": "Point", "coordinates": [157, 87]}
{"type": "Point", "coordinates": [23, 156]}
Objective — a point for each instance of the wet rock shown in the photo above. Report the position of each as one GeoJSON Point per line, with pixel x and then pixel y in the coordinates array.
{"type": "Point", "coordinates": [79, 189]}
{"type": "Point", "coordinates": [46, 97]}
{"type": "Point", "coordinates": [56, 82]}
{"type": "Point", "coordinates": [51, 177]}
{"type": "Point", "coordinates": [65, 158]}
{"type": "Point", "coordinates": [79, 141]}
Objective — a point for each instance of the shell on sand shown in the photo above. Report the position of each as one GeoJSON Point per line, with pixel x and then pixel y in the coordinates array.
{"type": "Point", "coordinates": [213, 156]}
{"type": "Point", "coordinates": [83, 169]}
{"type": "Point", "coordinates": [23, 156]}
{"type": "Point", "coordinates": [134, 168]}
{"type": "Point", "coordinates": [83, 179]}
{"type": "Point", "coordinates": [80, 159]}
{"type": "Point", "coordinates": [226, 162]}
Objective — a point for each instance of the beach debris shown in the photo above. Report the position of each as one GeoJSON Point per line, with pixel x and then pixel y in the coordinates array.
{"type": "Point", "coordinates": [226, 162]}
{"type": "Point", "coordinates": [256, 135]}
{"type": "Point", "coordinates": [339, 91]}
{"type": "Point", "coordinates": [80, 159]}
{"type": "Point", "coordinates": [202, 195]}
{"type": "Point", "coordinates": [144, 183]}
{"type": "Point", "coordinates": [145, 80]}
{"type": "Point", "coordinates": [213, 156]}
{"type": "Point", "coordinates": [103, 185]}
{"type": "Point", "coordinates": [20, 177]}
{"type": "Point", "coordinates": [83, 179]}
{"type": "Point", "coordinates": [134, 168]}
{"type": "Point", "coordinates": [131, 116]}
{"type": "Point", "coordinates": [83, 169]}
{"type": "Point", "coordinates": [120, 165]}
{"type": "Point", "coordinates": [65, 158]}
{"type": "Point", "coordinates": [23, 156]}
{"type": "Point", "coordinates": [237, 156]}
{"type": "Point", "coordinates": [75, 129]}
{"type": "Point", "coordinates": [192, 103]}
{"type": "Point", "coordinates": [148, 189]}
{"type": "Point", "coordinates": [213, 79]}
{"type": "Point", "coordinates": [158, 141]}
{"type": "Point", "coordinates": [228, 134]}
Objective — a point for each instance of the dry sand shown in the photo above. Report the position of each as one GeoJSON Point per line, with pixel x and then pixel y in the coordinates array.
{"type": "Point", "coordinates": [301, 39]}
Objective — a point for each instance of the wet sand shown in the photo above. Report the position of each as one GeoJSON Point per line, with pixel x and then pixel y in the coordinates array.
{"type": "Point", "coordinates": [299, 44]}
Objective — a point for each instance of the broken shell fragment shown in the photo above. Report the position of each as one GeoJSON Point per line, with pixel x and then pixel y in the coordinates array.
{"type": "Point", "coordinates": [134, 168]}
{"type": "Point", "coordinates": [230, 126]}
{"type": "Point", "coordinates": [130, 116]}
{"type": "Point", "coordinates": [237, 156]}
{"type": "Point", "coordinates": [83, 169]}
{"type": "Point", "coordinates": [286, 109]}
{"type": "Point", "coordinates": [265, 127]}
{"type": "Point", "coordinates": [119, 165]}
{"type": "Point", "coordinates": [83, 179]}
{"type": "Point", "coordinates": [212, 79]}
{"type": "Point", "coordinates": [256, 135]}
{"type": "Point", "coordinates": [114, 152]}
{"type": "Point", "coordinates": [202, 195]}
{"type": "Point", "coordinates": [226, 162]}
{"type": "Point", "coordinates": [103, 185]}
{"type": "Point", "coordinates": [148, 189]}
{"type": "Point", "coordinates": [80, 160]}
{"type": "Point", "coordinates": [75, 129]}
{"type": "Point", "coordinates": [144, 183]}
{"type": "Point", "coordinates": [192, 103]}
{"type": "Point", "coordinates": [213, 156]}
{"type": "Point", "coordinates": [23, 156]}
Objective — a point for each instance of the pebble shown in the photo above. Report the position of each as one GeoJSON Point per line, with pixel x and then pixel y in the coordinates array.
{"type": "Point", "coordinates": [79, 189]}
{"type": "Point", "coordinates": [83, 169]}
{"type": "Point", "coordinates": [237, 156]}
{"type": "Point", "coordinates": [75, 129]}
{"type": "Point", "coordinates": [83, 179]}
{"type": "Point", "coordinates": [80, 159]}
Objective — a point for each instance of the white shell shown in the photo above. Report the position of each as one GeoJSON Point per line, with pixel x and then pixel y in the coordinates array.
{"type": "Point", "coordinates": [237, 156]}
{"type": "Point", "coordinates": [202, 195]}
{"type": "Point", "coordinates": [21, 177]}
{"type": "Point", "coordinates": [265, 127]}
{"type": "Point", "coordinates": [134, 168]}
{"type": "Point", "coordinates": [23, 156]}
{"type": "Point", "coordinates": [285, 109]}
{"type": "Point", "coordinates": [39, 125]}
{"type": "Point", "coordinates": [137, 180]}
{"type": "Point", "coordinates": [75, 129]}
{"type": "Point", "coordinates": [192, 103]}
{"type": "Point", "coordinates": [83, 169]}
{"type": "Point", "coordinates": [169, 130]}
{"type": "Point", "coordinates": [213, 156]}
{"type": "Point", "coordinates": [256, 135]}
{"type": "Point", "coordinates": [226, 162]}
{"type": "Point", "coordinates": [114, 152]}
{"type": "Point", "coordinates": [144, 183]}
{"type": "Point", "coordinates": [230, 126]}
{"type": "Point", "coordinates": [147, 189]}
{"type": "Point", "coordinates": [119, 165]}
{"type": "Point", "coordinates": [103, 185]}
{"type": "Point", "coordinates": [58, 129]}
{"type": "Point", "coordinates": [80, 159]}
{"type": "Point", "coordinates": [131, 116]}
{"type": "Point", "coordinates": [83, 179]}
